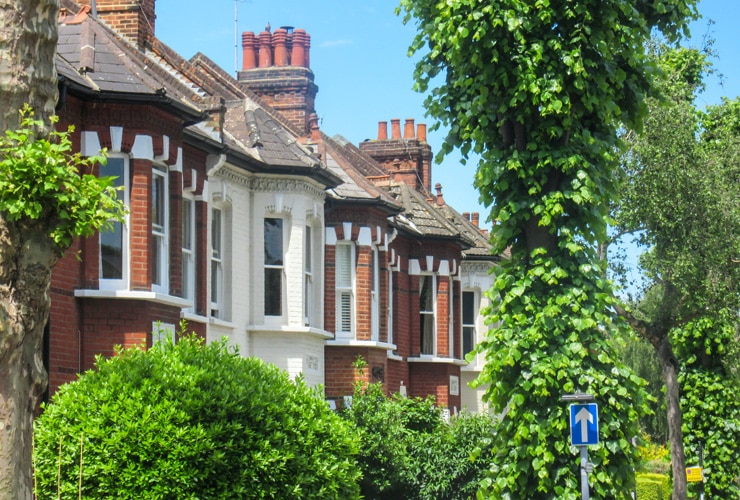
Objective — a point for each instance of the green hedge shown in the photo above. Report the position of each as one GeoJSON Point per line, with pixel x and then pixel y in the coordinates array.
{"type": "Point", "coordinates": [653, 487]}
{"type": "Point", "coordinates": [191, 421]}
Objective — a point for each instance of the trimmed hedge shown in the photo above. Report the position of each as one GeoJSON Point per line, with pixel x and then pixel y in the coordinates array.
{"type": "Point", "coordinates": [191, 421]}
{"type": "Point", "coordinates": [653, 487]}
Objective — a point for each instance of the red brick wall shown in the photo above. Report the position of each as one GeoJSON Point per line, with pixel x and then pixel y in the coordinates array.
{"type": "Point", "coordinates": [434, 379]}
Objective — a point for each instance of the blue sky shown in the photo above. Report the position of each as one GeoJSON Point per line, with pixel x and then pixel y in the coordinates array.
{"type": "Point", "coordinates": [359, 58]}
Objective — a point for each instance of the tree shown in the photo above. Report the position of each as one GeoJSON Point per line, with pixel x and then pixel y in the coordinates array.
{"type": "Point", "coordinates": [48, 197]}
{"type": "Point", "coordinates": [539, 90]}
{"type": "Point", "coordinates": [191, 420]}
{"type": "Point", "coordinates": [678, 188]}
{"type": "Point", "coordinates": [45, 203]}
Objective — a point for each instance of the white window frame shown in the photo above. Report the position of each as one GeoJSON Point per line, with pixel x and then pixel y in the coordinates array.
{"type": "Point", "coordinates": [217, 262]}
{"type": "Point", "coordinates": [278, 267]}
{"type": "Point", "coordinates": [189, 250]}
{"type": "Point", "coordinates": [309, 265]}
{"type": "Point", "coordinates": [160, 229]}
{"type": "Point", "coordinates": [472, 326]}
{"type": "Point", "coordinates": [123, 196]}
{"type": "Point", "coordinates": [390, 305]}
{"type": "Point", "coordinates": [374, 294]}
{"type": "Point", "coordinates": [426, 314]}
{"type": "Point", "coordinates": [345, 290]}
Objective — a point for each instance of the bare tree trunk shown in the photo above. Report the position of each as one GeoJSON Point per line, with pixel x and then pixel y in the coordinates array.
{"type": "Point", "coordinates": [28, 38]}
{"type": "Point", "coordinates": [27, 256]}
{"type": "Point", "coordinates": [673, 408]}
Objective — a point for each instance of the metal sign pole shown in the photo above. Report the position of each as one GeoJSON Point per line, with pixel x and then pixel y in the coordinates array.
{"type": "Point", "coordinates": [584, 473]}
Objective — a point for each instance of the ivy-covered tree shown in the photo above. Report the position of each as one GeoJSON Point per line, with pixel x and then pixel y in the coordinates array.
{"type": "Point", "coordinates": [538, 90]}
{"type": "Point", "coordinates": [44, 204]}
{"type": "Point", "coordinates": [679, 190]}
{"type": "Point", "coordinates": [709, 403]}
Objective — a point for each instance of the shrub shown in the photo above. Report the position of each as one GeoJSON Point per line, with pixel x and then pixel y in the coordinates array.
{"type": "Point", "coordinates": [192, 421]}
{"type": "Point", "coordinates": [408, 451]}
{"type": "Point", "coordinates": [653, 487]}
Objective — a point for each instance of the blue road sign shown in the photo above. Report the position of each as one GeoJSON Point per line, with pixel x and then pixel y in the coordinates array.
{"type": "Point", "coordinates": [584, 424]}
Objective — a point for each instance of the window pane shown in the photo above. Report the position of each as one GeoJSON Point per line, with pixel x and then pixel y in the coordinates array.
{"type": "Point", "coordinates": [159, 196]}
{"type": "Point", "coordinates": [345, 312]}
{"type": "Point", "coordinates": [468, 308]}
{"type": "Point", "coordinates": [111, 252]}
{"type": "Point", "coordinates": [274, 242]}
{"type": "Point", "coordinates": [344, 269]}
{"type": "Point", "coordinates": [308, 257]}
{"type": "Point", "coordinates": [468, 339]}
{"type": "Point", "coordinates": [187, 221]}
{"type": "Point", "coordinates": [425, 294]}
{"type": "Point", "coordinates": [427, 334]}
{"type": "Point", "coordinates": [216, 233]}
{"type": "Point", "coordinates": [115, 167]}
{"type": "Point", "coordinates": [273, 292]}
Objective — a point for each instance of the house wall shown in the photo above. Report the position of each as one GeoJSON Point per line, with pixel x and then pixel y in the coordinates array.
{"type": "Point", "coordinates": [85, 321]}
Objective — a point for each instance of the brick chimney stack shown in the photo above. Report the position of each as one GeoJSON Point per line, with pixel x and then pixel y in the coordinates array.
{"type": "Point", "coordinates": [133, 19]}
{"type": "Point", "coordinates": [276, 66]}
{"type": "Point", "coordinates": [407, 157]}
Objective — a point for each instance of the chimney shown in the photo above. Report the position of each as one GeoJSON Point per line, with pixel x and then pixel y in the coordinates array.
{"type": "Point", "coordinates": [408, 159]}
{"type": "Point", "coordinates": [133, 19]}
{"type": "Point", "coordinates": [281, 75]}
{"type": "Point", "coordinates": [466, 216]}
{"type": "Point", "coordinates": [475, 218]}
{"type": "Point", "coordinates": [440, 198]}
{"type": "Point", "coordinates": [395, 129]}
{"type": "Point", "coordinates": [382, 131]}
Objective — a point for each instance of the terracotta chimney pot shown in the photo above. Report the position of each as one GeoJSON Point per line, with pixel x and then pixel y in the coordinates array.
{"type": "Point", "coordinates": [475, 218]}
{"type": "Point", "coordinates": [313, 123]}
{"type": "Point", "coordinates": [265, 49]}
{"type": "Point", "coordinates": [421, 132]}
{"type": "Point", "coordinates": [408, 129]}
{"type": "Point", "coordinates": [249, 50]}
{"type": "Point", "coordinates": [307, 59]}
{"type": "Point", "coordinates": [279, 40]}
{"type": "Point", "coordinates": [298, 51]}
{"type": "Point", "coordinates": [466, 216]}
{"type": "Point", "coordinates": [382, 131]}
{"type": "Point", "coordinates": [440, 198]}
{"type": "Point", "coordinates": [395, 129]}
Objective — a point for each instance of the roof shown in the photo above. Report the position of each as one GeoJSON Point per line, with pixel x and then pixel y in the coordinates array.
{"type": "Point", "coordinates": [93, 60]}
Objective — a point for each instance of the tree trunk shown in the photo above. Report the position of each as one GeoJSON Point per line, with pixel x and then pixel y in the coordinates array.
{"type": "Point", "coordinates": [675, 435]}
{"type": "Point", "coordinates": [26, 258]}
{"type": "Point", "coordinates": [28, 40]}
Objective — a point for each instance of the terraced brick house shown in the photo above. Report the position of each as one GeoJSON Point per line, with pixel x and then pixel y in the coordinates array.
{"type": "Point", "coordinates": [250, 223]}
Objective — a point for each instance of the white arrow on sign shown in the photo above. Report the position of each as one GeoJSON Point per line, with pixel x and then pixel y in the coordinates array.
{"type": "Point", "coordinates": [584, 417]}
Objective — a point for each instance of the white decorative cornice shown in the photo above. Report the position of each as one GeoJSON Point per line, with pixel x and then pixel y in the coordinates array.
{"type": "Point", "coordinates": [291, 186]}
